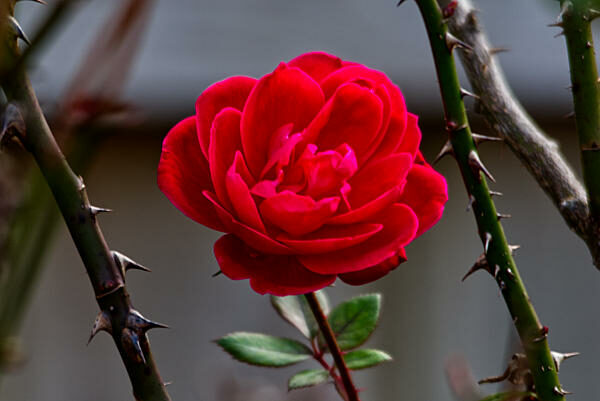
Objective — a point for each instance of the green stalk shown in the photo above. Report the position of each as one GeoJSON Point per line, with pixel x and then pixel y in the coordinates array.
{"type": "Point", "coordinates": [333, 346]}
{"type": "Point", "coordinates": [576, 17]}
{"type": "Point", "coordinates": [117, 315]}
{"type": "Point", "coordinates": [498, 255]}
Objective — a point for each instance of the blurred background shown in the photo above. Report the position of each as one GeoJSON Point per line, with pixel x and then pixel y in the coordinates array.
{"type": "Point", "coordinates": [428, 313]}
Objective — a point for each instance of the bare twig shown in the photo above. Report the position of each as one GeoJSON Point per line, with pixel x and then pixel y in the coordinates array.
{"type": "Point", "coordinates": [506, 116]}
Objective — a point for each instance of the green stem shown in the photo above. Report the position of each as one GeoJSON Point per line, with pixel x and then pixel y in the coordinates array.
{"type": "Point", "coordinates": [576, 22]}
{"type": "Point", "coordinates": [127, 329]}
{"type": "Point", "coordinates": [498, 254]}
{"type": "Point", "coordinates": [333, 346]}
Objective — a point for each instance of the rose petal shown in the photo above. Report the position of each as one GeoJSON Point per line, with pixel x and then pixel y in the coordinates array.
{"type": "Point", "coordinates": [287, 95]}
{"type": "Point", "coordinates": [297, 214]}
{"type": "Point", "coordinates": [240, 196]}
{"type": "Point", "coordinates": [369, 209]}
{"type": "Point", "coordinates": [317, 64]}
{"type": "Point", "coordinates": [277, 275]}
{"type": "Point", "coordinates": [426, 192]}
{"type": "Point", "coordinates": [393, 137]}
{"type": "Point", "coordinates": [231, 92]}
{"type": "Point", "coordinates": [331, 238]}
{"type": "Point", "coordinates": [376, 272]}
{"type": "Point", "coordinates": [353, 115]}
{"type": "Point", "coordinates": [183, 174]}
{"type": "Point", "coordinates": [400, 227]}
{"type": "Point", "coordinates": [253, 238]}
{"type": "Point", "coordinates": [412, 137]}
{"type": "Point", "coordinates": [224, 143]}
{"type": "Point", "coordinates": [378, 177]}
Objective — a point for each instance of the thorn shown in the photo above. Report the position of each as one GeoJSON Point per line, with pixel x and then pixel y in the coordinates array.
{"type": "Point", "coordinates": [478, 139]}
{"type": "Point", "coordinates": [557, 24]}
{"type": "Point", "coordinates": [478, 167]}
{"type": "Point", "coordinates": [97, 210]}
{"type": "Point", "coordinates": [102, 323]}
{"type": "Point", "coordinates": [131, 343]}
{"type": "Point", "coordinates": [503, 216]}
{"type": "Point", "coordinates": [464, 92]}
{"type": "Point", "coordinates": [486, 244]}
{"type": "Point", "coordinates": [495, 193]}
{"type": "Point", "coordinates": [37, 1]}
{"type": "Point", "coordinates": [543, 335]}
{"type": "Point", "coordinates": [593, 14]}
{"type": "Point", "coordinates": [471, 201]}
{"type": "Point", "coordinates": [560, 391]}
{"type": "Point", "coordinates": [17, 30]}
{"type": "Point", "coordinates": [516, 371]}
{"type": "Point", "coordinates": [495, 50]}
{"type": "Point", "coordinates": [400, 3]}
{"type": "Point", "coordinates": [125, 263]}
{"type": "Point", "coordinates": [513, 248]}
{"type": "Point", "coordinates": [167, 383]}
{"type": "Point", "coordinates": [569, 115]}
{"type": "Point", "coordinates": [480, 264]}
{"type": "Point", "coordinates": [446, 150]}
{"type": "Point", "coordinates": [453, 42]}
{"type": "Point", "coordinates": [559, 34]}
{"type": "Point", "coordinates": [12, 121]}
{"type": "Point", "coordinates": [140, 324]}
{"type": "Point", "coordinates": [559, 357]}
{"type": "Point", "coordinates": [219, 272]}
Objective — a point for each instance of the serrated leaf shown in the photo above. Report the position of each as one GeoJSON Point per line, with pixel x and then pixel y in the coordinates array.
{"type": "Point", "coordinates": [509, 395]}
{"type": "Point", "coordinates": [308, 378]}
{"type": "Point", "coordinates": [365, 358]}
{"type": "Point", "coordinates": [264, 350]}
{"type": "Point", "coordinates": [296, 311]}
{"type": "Point", "coordinates": [353, 321]}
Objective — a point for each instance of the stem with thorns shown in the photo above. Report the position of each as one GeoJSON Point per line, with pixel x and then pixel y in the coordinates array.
{"type": "Point", "coordinates": [105, 269]}
{"type": "Point", "coordinates": [333, 346]}
{"type": "Point", "coordinates": [575, 19]}
{"type": "Point", "coordinates": [498, 254]}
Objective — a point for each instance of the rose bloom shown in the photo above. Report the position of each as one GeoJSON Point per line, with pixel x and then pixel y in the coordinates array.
{"type": "Point", "coordinates": [313, 170]}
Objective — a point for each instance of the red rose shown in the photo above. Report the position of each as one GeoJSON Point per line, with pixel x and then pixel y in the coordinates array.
{"type": "Point", "coordinates": [313, 170]}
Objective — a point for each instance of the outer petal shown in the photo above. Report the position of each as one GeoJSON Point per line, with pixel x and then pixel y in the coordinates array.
{"type": "Point", "coordinates": [277, 275]}
{"type": "Point", "coordinates": [369, 209]}
{"type": "Point", "coordinates": [287, 95]}
{"type": "Point", "coordinates": [331, 238]}
{"type": "Point", "coordinates": [317, 64]}
{"type": "Point", "coordinates": [376, 272]}
{"type": "Point", "coordinates": [426, 192]}
{"type": "Point", "coordinates": [183, 174]}
{"type": "Point", "coordinates": [393, 137]}
{"type": "Point", "coordinates": [231, 92]}
{"type": "Point", "coordinates": [239, 194]}
{"type": "Point", "coordinates": [297, 214]}
{"type": "Point", "coordinates": [224, 143]}
{"type": "Point", "coordinates": [257, 240]}
{"type": "Point", "coordinates": [412, 137]}
{"type": "Point", "coordinates": [400, 227]}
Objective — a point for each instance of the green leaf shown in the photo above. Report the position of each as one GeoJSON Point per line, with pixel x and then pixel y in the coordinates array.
{"type": "Point", "coordinates": [353, 321]}
{"type": "Point", "coordinates": [509, 395]}
{"type": "Point", "coordinates": [295, 310]}
{"type": "Point", "coordinates": [365, 358]}
{"type": "Point", "coordinates": [308, 378]}
{"type": "Point", "coordinates": [264, 350]}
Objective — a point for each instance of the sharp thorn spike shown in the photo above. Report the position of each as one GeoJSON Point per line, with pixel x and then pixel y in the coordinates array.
{"type": "Point", "coordinates": [496, 193]}
{"type": "Point", "coordinates": [470, 203]}
{"type": "Point", "coordinates": [480, 264]}
{"type": "Point", "coordinates": [487, 240]}
{"type": "Point", "coordinates": [126, 263]}
{"type": "Point", "coordinates": [559, 391]}
{"type": "Point", "coordinates": [495, 50]}
{"type": "Point", "coordinates": [464, 92]}
{"type": "Point", "coordinates": [593, 14]}
{"type": "Point", "coordinates": [131, 343]}
{"type": "Point", "coordinates": [503, 216]}
{"type": "Point", "coordinates": [218, 273]}
{"type": "Point", "coordinates": [102, 323]}
{"type": "Point", "coordinates": [558, 24]}
{"type": "Point", "coordinates": [477, 166]}
{"type": "Point", "coordinates": [97, 210]}
{"type": "Point", "coordinates": [400, 3]}
{"type": "Point", "coordinates": [140, 324]}
{"type": "Point", "coordinates": [560, 357]}
{"type": "Point", "coordinates": [167, 383]}
{"type": "Point", "coordinates": [452, 42]}
{"type": "Point", "coordinates": [478, 138]}
{"type": "Point", "coordinates": [446, 150]}
{"type": "Point", "coordinates": [17, 30]}
{"type": "Point", "coordinates": [513, 248]}
{"type": "Point", "coordinates": [561, 33]}
{"type": "Point", "coordinates": [36, 1]}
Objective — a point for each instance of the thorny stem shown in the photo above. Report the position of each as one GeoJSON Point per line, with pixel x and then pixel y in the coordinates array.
{"type": "Point", "coordinates": [497, 252]}
{"type": "Point", "coordinates": [333, 346]}
{"type": "Point", "coordinates": [108, 282]}
{"type": "Point", "coordinates": [575, 18]}
{"type": "Point", "coordinates": [505, 115]}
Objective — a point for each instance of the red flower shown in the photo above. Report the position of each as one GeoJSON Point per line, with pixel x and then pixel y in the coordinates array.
{"type": "Point", "coordinates": [313, 170]}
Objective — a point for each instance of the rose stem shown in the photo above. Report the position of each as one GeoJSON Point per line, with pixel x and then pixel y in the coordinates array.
{"type": "Point", "coordinates": [333, 346]}
{"type": "Point", "coordinates": [498, 254]}
{"type": "Point", "coordinates": [127, 329]}
{"type": "Point", "coordinates": [576, 18]}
